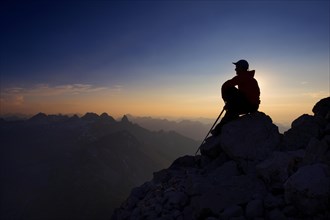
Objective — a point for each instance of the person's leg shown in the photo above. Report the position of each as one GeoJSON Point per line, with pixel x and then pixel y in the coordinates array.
{"type": "Point", "coordinates": [232, 109]}
{"type": "Point", "coordinates": [229, 116]}
{"type": "Point", "coordinates": [246, 107]}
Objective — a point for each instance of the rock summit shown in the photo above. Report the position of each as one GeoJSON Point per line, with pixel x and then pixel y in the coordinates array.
{"type": "Point", "coordinates": [250, 171]}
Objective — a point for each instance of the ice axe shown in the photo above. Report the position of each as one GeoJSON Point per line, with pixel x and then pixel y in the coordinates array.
{"type": "Point", "coordinates": [210, 130]}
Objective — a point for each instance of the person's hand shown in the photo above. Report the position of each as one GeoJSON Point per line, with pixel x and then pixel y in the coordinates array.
{"type": "Point", "coordinates": [225, 107]}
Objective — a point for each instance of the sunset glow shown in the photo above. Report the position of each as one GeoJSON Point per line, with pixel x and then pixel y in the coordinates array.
{"type": "Point", "coordinates": [161, 59]}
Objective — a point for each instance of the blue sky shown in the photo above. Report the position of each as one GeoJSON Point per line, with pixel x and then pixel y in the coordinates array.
{"type": "Point", "coordinates": [161, 58]}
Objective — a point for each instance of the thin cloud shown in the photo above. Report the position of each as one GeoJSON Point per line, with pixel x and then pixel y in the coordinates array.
{"type": "Point", "coordinates": [117, 88]}
{"type": "Point", "coordinates": [13, 90]}
{"type": "Point", "coordinates": [47, 90]}
{"type": "Point", "coordinates": [318, 95]}
{"type": "Point", "coordinates": [69, 89]}
{"type": "Point", "coordinates": [12, 100]}
{"type": "Point", "coordinates": [16, 96]}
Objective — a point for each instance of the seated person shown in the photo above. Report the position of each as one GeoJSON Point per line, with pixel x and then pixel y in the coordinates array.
{"type": "Point", "coordinates": [243, 99]}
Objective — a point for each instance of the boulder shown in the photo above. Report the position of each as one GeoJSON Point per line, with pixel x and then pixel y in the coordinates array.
{"type": "Point", "coordinates": [318, 151]}
{"type": "Point", "coordinates": [309, 189]}
{"type": "Point", "coordinates": [274, 171]}
{"type": "Point", "coordinates": [302, 130]}
{"type": "Point", "coordinates": [252, 137]}
{"type": "Point", "coordinates": [211, 147]}
{"type": "Point", "coordinates": [322, 108]}
{"type": "Point", "coordinates": [184, 161]}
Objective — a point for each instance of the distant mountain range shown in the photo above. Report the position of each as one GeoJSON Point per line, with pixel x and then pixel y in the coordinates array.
{"type": "Point", "coordinates": [195, 129]}
{"type": "Point", "coordinates": [61, 167]}
{"type": "Point", "coordinates": [192, 129]}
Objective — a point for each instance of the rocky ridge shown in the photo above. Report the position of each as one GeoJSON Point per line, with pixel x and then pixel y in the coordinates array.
{"type": "Point", "coordinates": [250, 171]}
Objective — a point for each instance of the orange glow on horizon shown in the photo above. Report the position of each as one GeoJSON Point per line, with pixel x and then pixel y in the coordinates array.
{"type": "Point", "coordinates": [192, 100]}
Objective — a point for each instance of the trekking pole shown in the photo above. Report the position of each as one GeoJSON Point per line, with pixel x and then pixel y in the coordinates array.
{"type": "Point", "coordinates": [210, 130]}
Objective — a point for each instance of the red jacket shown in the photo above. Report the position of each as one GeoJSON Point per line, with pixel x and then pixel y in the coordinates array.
{"type": "Point", "coordinates": [247, 85]}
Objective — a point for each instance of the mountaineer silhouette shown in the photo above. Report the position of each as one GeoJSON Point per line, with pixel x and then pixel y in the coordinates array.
{"type": "Point", "coordinates": [241, 95]}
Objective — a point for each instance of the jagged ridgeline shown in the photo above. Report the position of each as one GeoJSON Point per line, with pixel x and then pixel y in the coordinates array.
{"type": "Point", "coordinates": [61, 167]}
{"type": "Point", "coordinates": [250, 171]}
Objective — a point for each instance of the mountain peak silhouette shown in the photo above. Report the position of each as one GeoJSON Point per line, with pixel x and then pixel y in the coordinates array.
{"type": "Point", "coordinates": [38, 117]}
{"type": "Point", "coordinates": [125, 119]}
{"type": "Point", "coordinates": [90, 116]}
{"type": "Point", "coordinates": [105, 117]}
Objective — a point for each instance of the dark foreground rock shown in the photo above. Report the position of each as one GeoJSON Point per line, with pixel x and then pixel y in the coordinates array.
{"type": "Point", "coordinates": [250, 171]}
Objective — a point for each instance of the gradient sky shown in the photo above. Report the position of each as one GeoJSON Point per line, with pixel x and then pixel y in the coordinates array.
{"type": "Point", "coordinates": [161, 58]}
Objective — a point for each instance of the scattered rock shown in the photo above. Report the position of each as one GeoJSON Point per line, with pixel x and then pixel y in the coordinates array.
{"type": "Point", "coordinates": [309, 189]}
{"type": "Point", "coordinates": [275, 170]}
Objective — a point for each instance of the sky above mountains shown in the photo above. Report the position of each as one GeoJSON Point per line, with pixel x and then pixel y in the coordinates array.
{"type": "Point", "coordinates": [160, 58]}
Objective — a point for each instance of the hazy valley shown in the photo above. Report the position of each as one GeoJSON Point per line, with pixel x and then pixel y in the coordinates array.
{"type": "Point", "coordinates": [64, 167]}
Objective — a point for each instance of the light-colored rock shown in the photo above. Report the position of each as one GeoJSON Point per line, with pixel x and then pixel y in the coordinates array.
{"type": "Point", "coordinates": [252, 137]}
{"type": "Point", "coordinates": [309, 189]}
